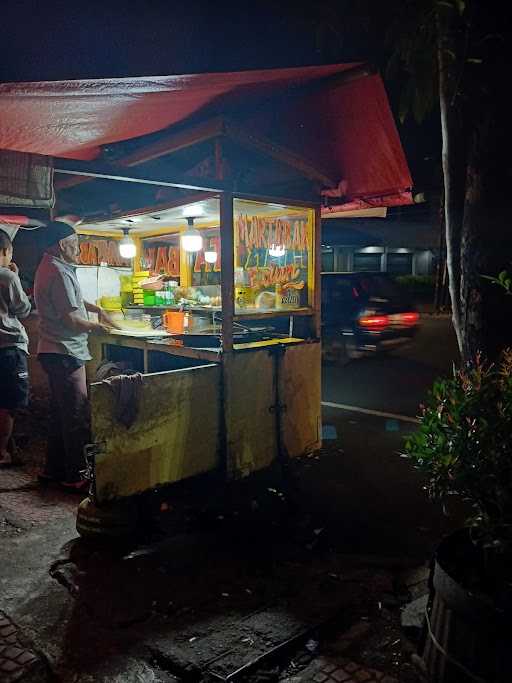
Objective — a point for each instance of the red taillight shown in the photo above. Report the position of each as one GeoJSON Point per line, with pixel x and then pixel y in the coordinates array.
{"type": "Point", "coordinates": [411, 318]}
{"type": "Point", "coordinates": [374, 322]}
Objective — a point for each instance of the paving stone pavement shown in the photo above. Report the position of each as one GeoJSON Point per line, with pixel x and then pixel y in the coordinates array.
{"type": "Point", "coordinates": [25, 504]}
{"type": "Point", "coordinates": [16, 660]}
{"type": "Point", "coordinates": [339, 670]}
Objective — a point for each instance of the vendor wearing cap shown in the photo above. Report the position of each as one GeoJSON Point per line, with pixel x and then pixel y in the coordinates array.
{"type": "Point", "coordinates": [64, 327]}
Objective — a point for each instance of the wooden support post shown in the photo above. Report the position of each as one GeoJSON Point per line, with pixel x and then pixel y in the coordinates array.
{"type": "Point", "coordinates": [227, 270]}
{"type": "Point", "coordinates": [227, 458]}
{"type": "Point", "coordinates": [185, 267]}
{"type": "Point", "coordinates": [317, 265]}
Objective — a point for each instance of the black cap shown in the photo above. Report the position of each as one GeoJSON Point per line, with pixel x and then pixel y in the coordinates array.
{"type": "Point", "coordinates": [56, 231]}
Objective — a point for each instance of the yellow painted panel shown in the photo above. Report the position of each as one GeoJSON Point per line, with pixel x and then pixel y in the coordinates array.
{"type": "Point", "coordinates": [175, 435]}
{"type": "Point", "coordinates": [100, 233]}
{"type": "Point", "coordinates": [267, 342]}
{"type": "Point", "coordinates": [250, 424]}
{"type": "Point", "coordinates": [185, 268]}
{"type": "Point", "coordinates": [299, 390]}
{"type": "Point", "coordinates": [311, 256]}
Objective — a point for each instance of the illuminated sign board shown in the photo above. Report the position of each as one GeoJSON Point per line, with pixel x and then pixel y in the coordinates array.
{"type": "Point", "coordinates": [97, 250]}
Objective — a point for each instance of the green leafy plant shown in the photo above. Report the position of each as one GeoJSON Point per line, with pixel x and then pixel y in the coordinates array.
{"type": "Point", "coordinates": [464, 446]}
{"type": "Point", "coordinates": [504, 280]}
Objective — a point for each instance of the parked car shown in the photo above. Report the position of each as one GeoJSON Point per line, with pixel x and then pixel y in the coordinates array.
{"type": "Point", "coordinates": [364, 313]}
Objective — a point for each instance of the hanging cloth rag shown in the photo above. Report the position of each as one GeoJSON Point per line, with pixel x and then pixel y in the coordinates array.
{"type": "Point", "coordinates": [126, 390]}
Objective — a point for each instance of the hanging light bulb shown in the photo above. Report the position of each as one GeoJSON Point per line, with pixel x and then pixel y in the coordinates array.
{"type": "Point", "coordinates": [191, 239]}
{"type": "Point", "coordinates": [276, 250]}
{"type": "Point", "coordinates": [127, 247]}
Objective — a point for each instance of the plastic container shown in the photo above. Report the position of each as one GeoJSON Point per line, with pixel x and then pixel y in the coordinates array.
{"type": "Point", "coordinates": [126, 283]}
{"type": "Point", "coordinates": [133, 314]}
{"type": "Point", "coordinates": [110, 303]}
{"type": "Point", "coordinates": [174, 321]}
{"type": "Point", "coordinates": [169, 295]}
{"type": "Point", "coordinates": [149, 298]}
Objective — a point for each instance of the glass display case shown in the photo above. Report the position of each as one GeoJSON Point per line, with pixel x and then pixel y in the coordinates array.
{"type": "Point", "coordinates": [273, 267]}
{"type": "Point", "coordinates": [273, 257]}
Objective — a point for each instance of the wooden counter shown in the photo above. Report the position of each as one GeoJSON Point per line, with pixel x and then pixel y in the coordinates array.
{"type": "Point", "coordinates": [99, 346]}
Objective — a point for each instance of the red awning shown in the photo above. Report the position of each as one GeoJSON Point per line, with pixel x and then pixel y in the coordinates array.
{"type": "Point", "coordinates": [346, 128]}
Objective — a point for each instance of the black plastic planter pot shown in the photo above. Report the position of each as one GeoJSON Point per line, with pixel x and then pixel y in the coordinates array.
{"type": "Point", "coordinates": [469, 636]}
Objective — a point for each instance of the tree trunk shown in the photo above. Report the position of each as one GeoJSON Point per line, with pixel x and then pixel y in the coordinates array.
{"type": "Point", "coordinates": [453, 161]}
{"type": "Point", "coordinates": [474, 260]}
{"type": "Point", "coordinates": [441, 262]}
{"type": "Point", "coordinates": [475, 118]}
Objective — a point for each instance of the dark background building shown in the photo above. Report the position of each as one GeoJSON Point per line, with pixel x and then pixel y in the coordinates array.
{"type": "Point", "coordinates": [404, 242]}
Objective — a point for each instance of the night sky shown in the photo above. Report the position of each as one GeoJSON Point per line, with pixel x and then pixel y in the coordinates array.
{"type": "Point", "coordinates": [63, 40]}
{"type": "Point", "coordinates": [150, 38]}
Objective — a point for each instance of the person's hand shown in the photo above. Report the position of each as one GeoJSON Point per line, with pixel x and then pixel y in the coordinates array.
{"type": "Point", "coordinates": [99, 328]}
{"type": "Point", "coordinates": [14, 268]}
{"type": "Point", "coordinates": [107, 320]}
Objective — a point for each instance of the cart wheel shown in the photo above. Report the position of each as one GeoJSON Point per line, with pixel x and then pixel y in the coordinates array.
{"type": "Point", "coordinates": [115, 521]}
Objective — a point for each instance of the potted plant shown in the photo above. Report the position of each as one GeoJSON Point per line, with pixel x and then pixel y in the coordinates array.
{"type": "Point", "coordinates": [464, 447]}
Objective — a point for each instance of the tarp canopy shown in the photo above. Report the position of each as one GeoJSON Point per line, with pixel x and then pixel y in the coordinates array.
{"type": "Point", "coordinates": [345, 128]}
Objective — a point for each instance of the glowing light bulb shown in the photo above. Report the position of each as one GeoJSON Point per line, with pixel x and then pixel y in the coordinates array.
{"type": "Point", "coordinates": [210, 256]}
{"type": "Point", "coordinates": [191, 240]}
{"type": "Point", "coordinates": [276, 250]}
{"type": "Point", "coordinates": [127, 247]}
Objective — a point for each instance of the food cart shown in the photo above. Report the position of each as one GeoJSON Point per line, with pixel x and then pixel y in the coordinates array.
{"type": "Point", "coordinates": [245, 372]}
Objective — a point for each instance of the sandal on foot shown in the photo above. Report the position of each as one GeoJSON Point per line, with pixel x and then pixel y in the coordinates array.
{"type": "Point", "coordinates": [75, 486]}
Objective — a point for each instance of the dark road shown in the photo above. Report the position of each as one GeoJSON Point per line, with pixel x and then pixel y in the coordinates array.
{"type": "Point", "coordinates": [396, 382]}
{"type": "Point", "coordinates": [364, 484]}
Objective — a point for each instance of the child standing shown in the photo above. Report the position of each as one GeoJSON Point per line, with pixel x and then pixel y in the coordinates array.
{"type": "Point", "coordinates": [14, 385]}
